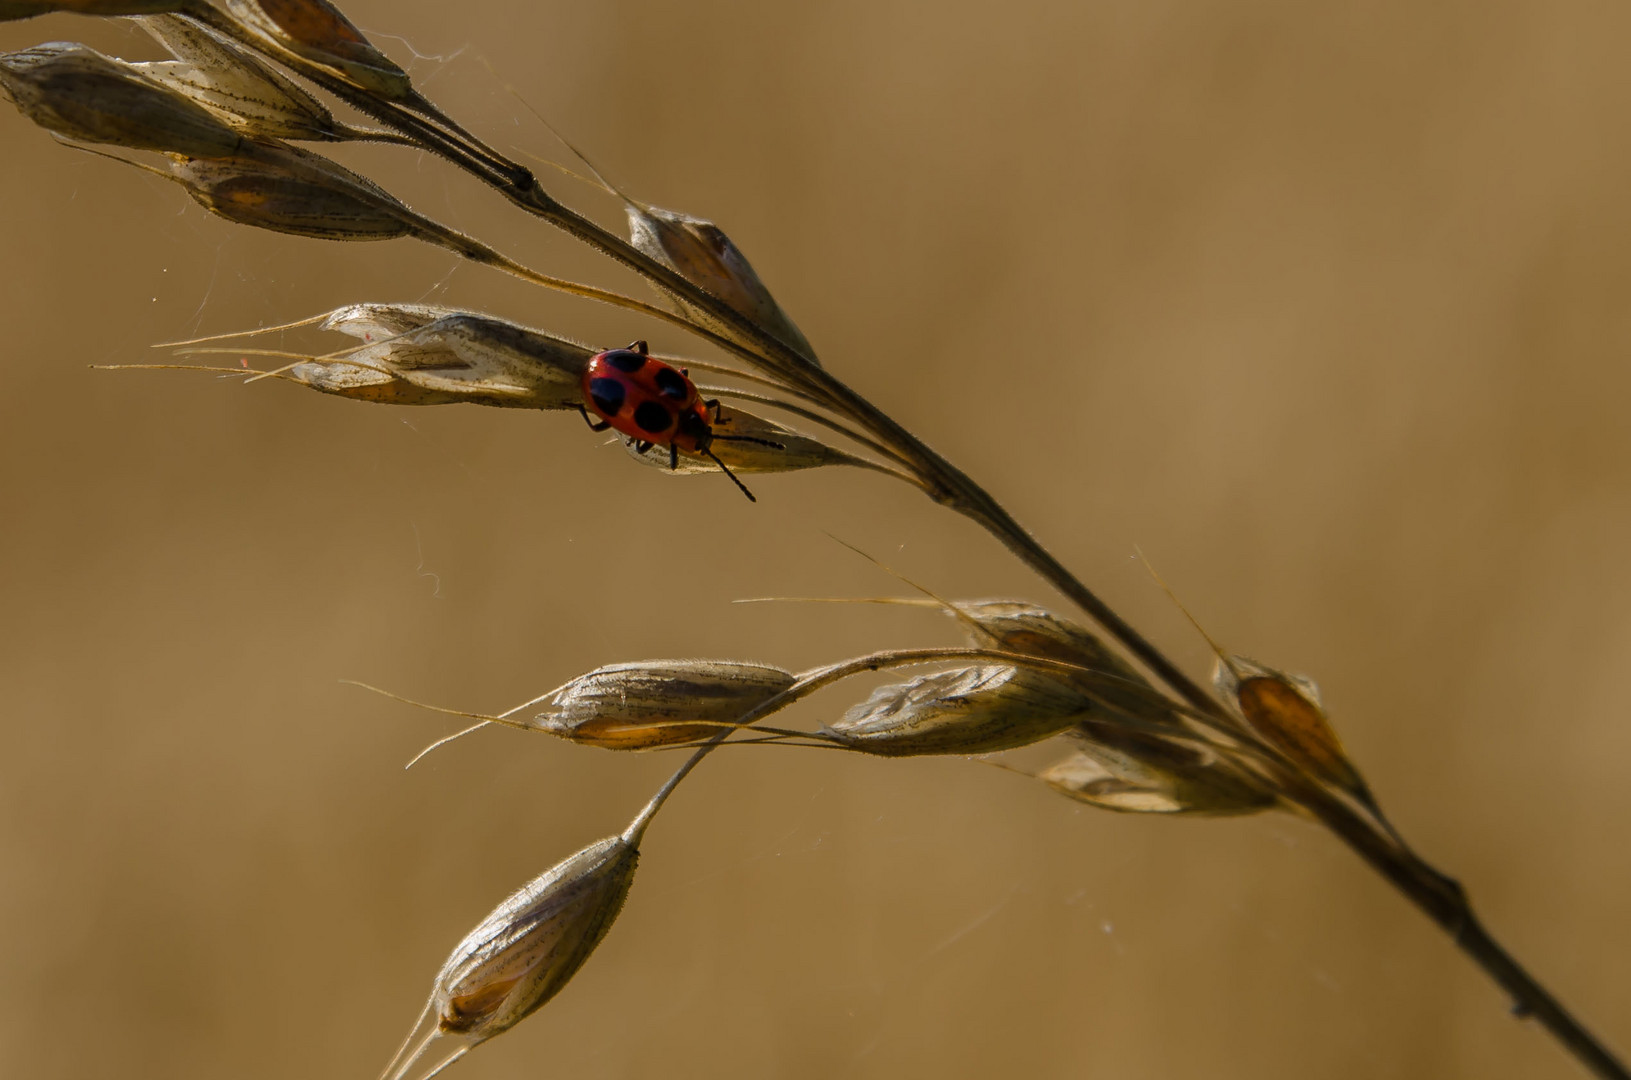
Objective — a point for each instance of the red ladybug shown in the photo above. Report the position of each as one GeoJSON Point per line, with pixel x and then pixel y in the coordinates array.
{"type": "Point", "coordinates": [653, 403]}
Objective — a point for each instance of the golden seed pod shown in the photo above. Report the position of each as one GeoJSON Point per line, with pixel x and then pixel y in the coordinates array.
{"type": "Point", "coordinates": [284, 189]}
{"type": "Point", "coordinates": [531, 945]}
{"type": "Point", "coordinates": [317, 31]}
{"type": "Point", "coordinates": [1143, 773]}
{"type": "Point", "coordinates": [969, 710]}
{"type": "Point", "coordinates": [233, 84]}
{"type": "Point", "coordinates": [522, 954]}
{"type": "Point", "coordinates": [1020, 627]}
{"type": "Point", "coordinates": [701, 253]}
{"type": "Point", "coordinates": [772, 448]}
{"type": "Point", "coordinates": [78, 93]}
{"type": "Point", "coordinates": [1286, 710]}
{"type": "Point", "coordinates": [420, 355]}
{"type": "Point", "coordinates": [24, 9]}
{"type": "Point", "coordinates": [658, 702]}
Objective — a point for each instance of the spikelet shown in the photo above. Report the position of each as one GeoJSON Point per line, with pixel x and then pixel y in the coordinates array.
{"type": "Point", "coordinates": [521, 955]}
{"type": "Point", "coordinates": [528, 948]}
{"type": "Point", "coordinates": [1135, 753]}
{"type": "Point", "coordinates": [317, 31]}
{"type": "Point", "coordinates": [449, 358]}
{"type": "Point", "coordinates": [1021, 627]}
{"type": "Point", "coordinates": [652, 703]}
{"type": "Point", "coordinates": [701, 253]}
{"type": "Point", "coordinates": [526, 951]}
{"type": "Point", "coordinates": [78, 93]}
{"type": "Point", "coordinates": [1286, 710]}
{"type": "Point", "coordinates": [1135, 771]}
{"type": "Point", "coordinates": [233, 84]}
{"type": "Point", "coordinates": [284, 189]}
{"type": "Point", "coordinates": [969, 710]}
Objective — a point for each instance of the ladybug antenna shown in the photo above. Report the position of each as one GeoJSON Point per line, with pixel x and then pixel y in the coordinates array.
{"type": "Point", "coordinates": [726, 469]}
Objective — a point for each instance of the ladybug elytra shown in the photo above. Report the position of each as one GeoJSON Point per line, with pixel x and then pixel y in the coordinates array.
{"type": "Point", "coordinates": [654, 404]}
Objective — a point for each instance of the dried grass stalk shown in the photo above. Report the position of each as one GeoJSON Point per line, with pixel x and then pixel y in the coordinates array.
{"type": "Point", "coordinates": [1149, 737]}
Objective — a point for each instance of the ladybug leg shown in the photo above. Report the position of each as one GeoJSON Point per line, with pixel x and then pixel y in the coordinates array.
{"type": "Point", "coordinates": [639, 347]}
{"type": "Point", "coordinates": [642, 447]}
{"type": "Point", "coordinates": [673, 457]}
{"type": "Point", "coordinates": [602, 426]}
{"type": "Point", "coordinates": [713, 406]}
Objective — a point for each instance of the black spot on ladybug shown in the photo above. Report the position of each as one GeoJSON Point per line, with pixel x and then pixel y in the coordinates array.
{"type": "Point", "coordinates": [672, 384]}
{"type": "Point", "coordinates": [607, 395]}
{"type": "Point", "coordinates": [624, 360]}
{"type": "Point", "coordinates": [652, 417]}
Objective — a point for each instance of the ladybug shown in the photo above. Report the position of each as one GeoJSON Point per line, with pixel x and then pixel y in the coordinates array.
{"type": "Point", "coordinates": [654, 403]}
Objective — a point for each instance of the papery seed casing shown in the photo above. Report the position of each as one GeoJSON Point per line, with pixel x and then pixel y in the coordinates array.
{"type": "Point", "coordinates": [972, 710]}
{"type": "Point", "coordinates": [659, 702]}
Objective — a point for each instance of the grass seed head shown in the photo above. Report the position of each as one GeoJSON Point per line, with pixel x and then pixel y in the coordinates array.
{"type": "Point", "coordinates": [233, 84]}
{"type": "Point", "coordinates": [454, 357]}
{"type": "Point", "coordinates": [969, 710]}
{"type": "Point", "coordinates": [317, 31]}
{"type": "Point", "coordinates": [1286, 710]}
{"type": "Point", "coordinates": [1020, 627]}
{"type": "Point", "coordinates": [278, 187]}
{"type": "Point", "coordinates": [79, 94]}
{"type": "Point", "coordinates": [658, 702]}
{"type": "Point", "coordinates": [1139, 772]}
{"type": "Point", "coordinates": [525, 951]}
{"type": "Point", "coordinates": [701, 253]}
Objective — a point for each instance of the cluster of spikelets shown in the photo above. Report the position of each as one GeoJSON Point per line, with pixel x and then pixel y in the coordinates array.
{"type": "Point", "coordinates": [221, 119]}
{"type": "Point", "coordinates": [1025, 676]}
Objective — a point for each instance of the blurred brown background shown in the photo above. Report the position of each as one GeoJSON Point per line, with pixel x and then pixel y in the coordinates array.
{"type": "Point", "coordinates": [1323, 307]}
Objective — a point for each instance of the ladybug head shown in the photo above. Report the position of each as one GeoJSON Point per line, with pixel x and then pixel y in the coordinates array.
{"type": "Point", "coordinates": [693, 425]}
